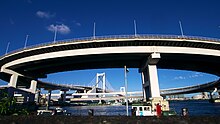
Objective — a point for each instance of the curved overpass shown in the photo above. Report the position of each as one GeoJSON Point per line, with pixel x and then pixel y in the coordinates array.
{"type": "Point", "coordinates": [207, 87]}
{"type": "Point", "coordinates": [177, 52]}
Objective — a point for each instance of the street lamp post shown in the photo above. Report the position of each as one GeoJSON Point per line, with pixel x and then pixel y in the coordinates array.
{"type": "Point", "coordinates": [126, 88]}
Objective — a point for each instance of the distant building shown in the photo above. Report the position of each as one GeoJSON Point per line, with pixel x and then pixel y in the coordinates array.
{"type": "Point", "coordinates": [175, 97]}
{"type": "Point", "coordinates": [199, 96]}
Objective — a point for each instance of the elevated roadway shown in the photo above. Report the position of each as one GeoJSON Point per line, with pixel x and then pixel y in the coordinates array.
{"type": "Point", "coordinates": [207, 87]}
{"type": "Point", "coordinates": [184, 53]}
{"type": "Point", "coordinates": [176, 52]}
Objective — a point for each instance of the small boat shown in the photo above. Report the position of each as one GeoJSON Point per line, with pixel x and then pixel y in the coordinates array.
{"type": "Point", "coordinates": [217, 100]}
{"type": "Point", "coordinates": [143, 110]}
{"type": "Point", "coordinates": [146, 110]}
{"type": "Point", "coordinates": [56, 111]}
{"type": "Point", "coordinates": [116, 104]}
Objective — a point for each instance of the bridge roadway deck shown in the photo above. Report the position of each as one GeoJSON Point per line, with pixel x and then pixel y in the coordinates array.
{"type": "Point", "coordinates": [177, 52]}
{"type": "Point", "coordinates": [206, 87]}
{"type": "Point", "coordinates": [103, 98]}
{"type": "Point", "coordinates": [195, 53]}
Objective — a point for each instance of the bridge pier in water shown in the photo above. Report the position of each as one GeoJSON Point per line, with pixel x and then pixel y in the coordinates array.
{"type": "Point", "coordinates": [150, 83]}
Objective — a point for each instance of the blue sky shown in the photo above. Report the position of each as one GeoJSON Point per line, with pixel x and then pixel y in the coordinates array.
{"type": "Point", "coordinates": [75, 18]}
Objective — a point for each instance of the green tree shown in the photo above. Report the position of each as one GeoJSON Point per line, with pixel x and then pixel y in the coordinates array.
{"type": "Point", "coordinates": [8, 105]}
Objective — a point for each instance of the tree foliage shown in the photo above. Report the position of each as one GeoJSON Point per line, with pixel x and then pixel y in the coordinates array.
{"type": "Point", "coordinates": [8, 105]}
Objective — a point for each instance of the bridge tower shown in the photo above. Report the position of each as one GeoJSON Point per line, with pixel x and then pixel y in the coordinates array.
{"type": "Point", "coordinates": [101, 80]}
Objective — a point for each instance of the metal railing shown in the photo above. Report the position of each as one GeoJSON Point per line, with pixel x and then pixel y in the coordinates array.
{"type": "Point", "coordinates": [113, 37]}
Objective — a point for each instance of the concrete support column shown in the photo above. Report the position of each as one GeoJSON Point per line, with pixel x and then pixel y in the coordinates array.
{"type": "Point", "coordinates": [37, 96]}
{"type": "Point", "coordinates": [25, 95]}
{"type": "Point", "coordinates": [145, 86]}
{"type": "Point", "coordinates": [63, 96]}
{"type": "Point", "coordinates": [33, 86]}
{"type": "Point", "coordinates": [153, 80]}
{"type": "Point", "coordinates": [150, 77]}
{"type": "Point", "coordinates": [48, 99]}
{"type": "Point", "coordinates": [12, 84]}
{"type": "Point", "coordinates": [11, 91]}
{"type": "Point", "coordinates": [31, 97]}
{"type": "Point", "coordinates": [13, 80]}
{"type": "Point", "coordinates": [49, 95]}
{"type": "Point", "coordinates": [210, 96]}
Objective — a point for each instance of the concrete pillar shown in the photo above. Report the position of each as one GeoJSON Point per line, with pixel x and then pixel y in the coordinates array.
{"type": "Point", "coordinates": [150, 77]}
{"type": "Point", "coordinates": [144, 86]}
{"type": "Point", "coordinates": [31, 97]}
{"type": "Point", "coordinates": [49, 95]}
{"type": "Point", "coordinates": [210, 96]}
{"type": "Point", "coordinates": [11, 91]}
{"type": "Point", "coordinates": [25, 95]}
{"type": "Point", "coordinates": [13, 80]}
{"type": "Point", "coordinates": [63, 96]}
{"type": "Point", "coordinates": [37, 96]}
{"type": "Point", "coordinates": [48, 99]}
{"type": "Point", "coordinates": [153, 80]}
{"type": "Point", "coordinates": [33, 86]}
{"type": "Point", "coordinates": [205, 95]}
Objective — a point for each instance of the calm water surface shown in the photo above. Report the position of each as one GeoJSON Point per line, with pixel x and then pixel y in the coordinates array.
{"type": "Point", "coordinates": [195, 108]}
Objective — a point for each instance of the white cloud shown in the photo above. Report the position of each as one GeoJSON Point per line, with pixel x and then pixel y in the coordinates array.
{"type": "Point", "coordinates": [179, 78]}
{"type": "Point", "coordinates": [78, 24]}
{"type": "Point", "coordinates": [62, 29]}
{"type": "Point", "coordinates": [46, 15]}
{"type": "Point", "coordinates": [194, 75]}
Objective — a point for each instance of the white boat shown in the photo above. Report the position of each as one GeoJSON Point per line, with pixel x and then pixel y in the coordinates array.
{"type": "Point", "coordinates": [217, 100]}
{"type": "Point", "coordinates": [146, 110]}
{"type": "Point", "coordinates": [116, 104]}
{"type": "Point", "coordinates": [143, 110]}
{"type": "Point", "coordinates": [56, 111]}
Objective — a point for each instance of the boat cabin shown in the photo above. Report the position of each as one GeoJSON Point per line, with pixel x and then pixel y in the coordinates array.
{"type": "Point", "coordinates": [143, 110]}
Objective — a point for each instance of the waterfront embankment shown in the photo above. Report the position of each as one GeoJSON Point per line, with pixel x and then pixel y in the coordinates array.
{"type": "Point", "coordinates": [107, 120]}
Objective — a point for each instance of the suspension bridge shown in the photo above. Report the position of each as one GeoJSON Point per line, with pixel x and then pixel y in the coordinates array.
{"type": "Point", "coordinates": [101, 89]}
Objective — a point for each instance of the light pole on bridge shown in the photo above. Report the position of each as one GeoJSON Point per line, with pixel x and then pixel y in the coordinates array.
{"type": "Point", "coordinates": [6, 51]}
{"type": "Point", "coordinates": [55, 34]}
{"type": "Point", "coordinates": [26, 40]}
